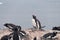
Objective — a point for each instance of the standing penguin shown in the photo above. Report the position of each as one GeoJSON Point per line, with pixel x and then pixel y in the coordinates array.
{"type": "Point", "coordinates": [36, 22]}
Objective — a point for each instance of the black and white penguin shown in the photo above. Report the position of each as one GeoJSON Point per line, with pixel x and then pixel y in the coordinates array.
{"type": "Point", "coordinates": [36, 23]}
{"type": "Point", "coordinates": [50, 34]}
{"type": "Point", "coordinates": [56, 28]}
{"type": "Point", "coordinates": [16, 31]}
{"type": "Point", "coordinates": [15, 28]}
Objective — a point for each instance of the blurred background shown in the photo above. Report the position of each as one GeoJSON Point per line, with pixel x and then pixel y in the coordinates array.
{"type": "Point", "coordinates": [20, 12]}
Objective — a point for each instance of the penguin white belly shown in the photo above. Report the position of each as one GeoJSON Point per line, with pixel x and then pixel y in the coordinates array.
{"type": "Point", "coordinates": [33, 22]}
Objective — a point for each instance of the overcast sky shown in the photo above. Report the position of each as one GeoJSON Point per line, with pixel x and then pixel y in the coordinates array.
{"type": "Point", "coordinates": [20, 12]}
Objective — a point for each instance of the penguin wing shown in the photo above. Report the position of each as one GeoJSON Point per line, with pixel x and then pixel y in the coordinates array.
{"type": "Point", "coordinates": [9, 25]}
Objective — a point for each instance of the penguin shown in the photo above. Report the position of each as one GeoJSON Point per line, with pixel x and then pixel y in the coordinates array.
{"type": "Point", "coordinates": [56, 28]}
{"type": "Point", "coordinates": [36, 23]}
{"type": "Point", "coordinates": [15, 28]}
{"type": "Point", "coordinates": [50, 34]}
{"type": "Point", "coordinates": [16, 31]}
{"type": "Point", "coordinates": [53, 34]}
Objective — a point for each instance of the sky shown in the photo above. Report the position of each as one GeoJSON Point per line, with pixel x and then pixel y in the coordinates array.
{"type": "Point", "coordinates": [20, 12]}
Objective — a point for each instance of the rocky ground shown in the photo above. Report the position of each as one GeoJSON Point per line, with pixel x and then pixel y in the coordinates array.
{"type": "Point", "coordinates": [31, 34]}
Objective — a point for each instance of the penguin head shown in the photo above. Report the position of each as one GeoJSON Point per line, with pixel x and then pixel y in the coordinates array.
{"type": "Point", "coordinates": [15, 29]}
{"type": "Point", "coordinates": [34, 16]}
